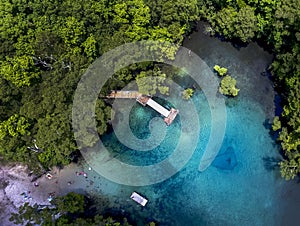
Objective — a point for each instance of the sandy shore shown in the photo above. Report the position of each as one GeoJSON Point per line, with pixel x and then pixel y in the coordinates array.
{"type": "Point", "coordinates": [14, 182]}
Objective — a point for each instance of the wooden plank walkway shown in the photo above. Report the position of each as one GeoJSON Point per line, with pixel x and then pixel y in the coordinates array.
{"type": "Point", "coordinates": [124, 94]}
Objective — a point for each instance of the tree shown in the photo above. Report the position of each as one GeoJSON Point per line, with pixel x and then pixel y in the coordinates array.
{"type": "Point", "coordinates": [59, 211]}
{"type": "Point", "coordinates": [166, 12]}
{"type": "Point", "coordinates": [224, 22]}
{"type": "Point", "coordinates": [32, 215]}
{"type": "Point", "coordinates": [15, 126]}
{"type": "Point", "coordinates": [72, 31]}
{"type": "Point", "coordinates": [289, 136]}
{"type": "Point", "coordinates": [187, 93]}
{"type": "Point", "coordinates": [54, 136]}
{"type": "Point", "coordinates": [289, 168]}
{"type": "Point", "coordinates": [152, 82]}
{"type": "Point", "coordinates": [221, 70]}
{"type": "Point", "coordinates": [19, 70]}
{"type": "Point", "coordinates": [90, 48]}
{"type": "Point", "coordinates": [227, 86]}
{"type": "Point", "coordinates": [276, 125]}
{"type": "Point", "coordinates": [14, 134]}
{"type": "Point", "coordinates": [234, 23]}
{"type": "Point", "coordinates": [103, 115]}
{"type": "Point", "coordinates": [9, 99]}
{"type": "Point", "coordinates": [246, 24]}
{"type": "Point", "coordinates": [70, 203]}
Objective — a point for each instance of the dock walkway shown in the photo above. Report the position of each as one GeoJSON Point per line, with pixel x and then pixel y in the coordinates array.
{"type": "Point", "coordinates": [146, 100]}
{"type": "Point", "coordinates": [157, 107]}
{"type": "Point", "coordinates": [124, 94]}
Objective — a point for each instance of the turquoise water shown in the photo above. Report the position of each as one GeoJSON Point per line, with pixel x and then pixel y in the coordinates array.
{"type": "Point", "coordinates": [238, 189]}
{"type": "Point", "coordinates": [241, 187]}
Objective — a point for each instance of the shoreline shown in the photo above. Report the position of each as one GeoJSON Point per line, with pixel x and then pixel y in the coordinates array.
{"type": "Point", "coordinates": [17, 187]}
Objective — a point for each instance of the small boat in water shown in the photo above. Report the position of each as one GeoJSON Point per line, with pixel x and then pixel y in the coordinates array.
{"type": "Point", "coordinates": [138, 198]}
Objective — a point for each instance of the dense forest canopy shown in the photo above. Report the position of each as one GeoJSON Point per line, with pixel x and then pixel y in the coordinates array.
{"type": "Point", "coordinates": [45, 46]}
{"type": "Point", "coordinates": [70, 209]}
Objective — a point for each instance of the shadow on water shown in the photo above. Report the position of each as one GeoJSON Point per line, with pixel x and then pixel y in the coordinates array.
{"type": "Point", "coordinates": [271, 163]}
{"type": "Point", "coordinates": [278, 105]}
{"type": "Point", "coordinates": [273, 134]}
{"type": "Point", "coordinates": [267, 124]}
{"type": "Point", "coordinates": [231, 102]}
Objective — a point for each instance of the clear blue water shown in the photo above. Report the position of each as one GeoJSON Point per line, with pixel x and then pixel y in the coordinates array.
{"type": "Point", "coordinates": [238, 189]}
{"type": "Point", "coordinates": [241, 187]}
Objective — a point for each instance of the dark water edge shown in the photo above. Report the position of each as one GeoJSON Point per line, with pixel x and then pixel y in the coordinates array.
{"type": "Point", "coordinates": [246, 64]}
{"type": "Point", "coordinates": [238, 60]}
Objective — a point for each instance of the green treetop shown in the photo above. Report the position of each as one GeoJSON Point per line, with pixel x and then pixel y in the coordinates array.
{"type": "Point", "coordinates": [227, 86]}
{"type": "Point", "coordinates": [221, 70]}
{"type": "Point", "coordinates": [15, 126]}
{"type": "Point", "coordinates": [19, 70]}
{"type": "Point", "coordinates": [187, 93]}
{"type": "Point", "coordinates": [152, 82]}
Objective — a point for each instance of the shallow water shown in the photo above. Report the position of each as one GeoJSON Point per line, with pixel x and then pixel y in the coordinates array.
{"type": "Point", "coordinates": [241, 187]}
{"type": "Point", "coordinates": [237, 189]}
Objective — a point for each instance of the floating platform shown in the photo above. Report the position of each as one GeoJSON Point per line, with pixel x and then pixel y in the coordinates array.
{"type": "Point", "coordinates": [138, 198]}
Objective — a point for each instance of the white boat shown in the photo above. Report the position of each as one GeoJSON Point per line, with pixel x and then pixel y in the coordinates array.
{"type": "Point", "coordinates": [138, 198]}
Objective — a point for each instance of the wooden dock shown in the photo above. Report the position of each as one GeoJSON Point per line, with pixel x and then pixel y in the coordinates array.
{"type": "Point", "coordinates": [124, 94]}
{"type": "Point", "coordinates": [169, 116]}
{"type": "Point", "coordinates": [143, 99]}
{"type": "Point", "coordinates": [173, 113]}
